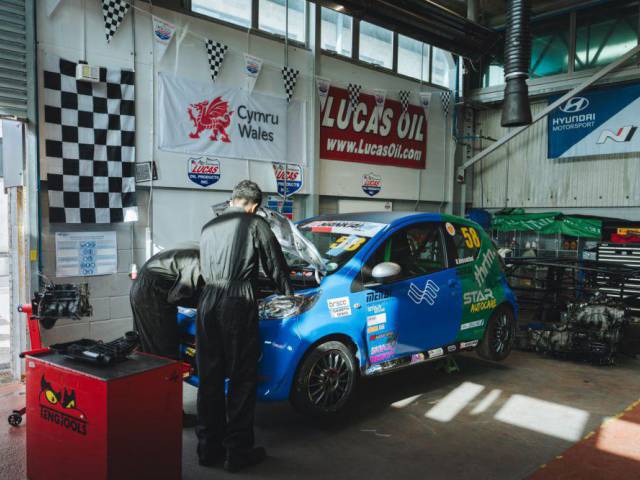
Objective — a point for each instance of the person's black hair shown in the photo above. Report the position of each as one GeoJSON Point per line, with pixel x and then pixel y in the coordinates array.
{"type": "Point", "coordinates": [248, 191]}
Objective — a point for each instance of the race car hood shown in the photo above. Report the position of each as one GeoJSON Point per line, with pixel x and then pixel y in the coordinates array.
{"type": "Point", "coordinates": [288, 235]}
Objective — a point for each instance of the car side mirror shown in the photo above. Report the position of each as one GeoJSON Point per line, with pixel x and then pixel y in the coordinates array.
{"type": "Point", "coordinates": [384, 273]}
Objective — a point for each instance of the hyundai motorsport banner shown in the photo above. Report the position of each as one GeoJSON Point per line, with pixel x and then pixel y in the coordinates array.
{"type": "Point", "coordinates": [207, 119]}
{"type": "Point", "coordinates": [600, 121]}
{"type": "Point", "coordinates": [365, 135]}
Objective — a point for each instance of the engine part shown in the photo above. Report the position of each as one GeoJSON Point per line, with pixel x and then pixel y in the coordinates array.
{"type": "Point", "coordinates": [65, 300]}
{"type": "Point", "coordinates": [516, 110]}
{"type": "Point", "coordinates": [588, 331]}
{"type": "Point", "coordinates": [98, 352]}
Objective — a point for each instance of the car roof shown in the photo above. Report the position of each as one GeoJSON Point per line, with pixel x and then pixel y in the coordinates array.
{"type": "Point", "coordinates": [378, 217]}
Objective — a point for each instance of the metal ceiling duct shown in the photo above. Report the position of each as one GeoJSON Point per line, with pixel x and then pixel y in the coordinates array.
{"type": "Point", "coordinates": [516, 110]}
{"type": "Point", "coordinates": [425, 21]}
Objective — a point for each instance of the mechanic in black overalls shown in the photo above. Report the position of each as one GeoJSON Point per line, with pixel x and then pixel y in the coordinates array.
{"type": "Point", "coordinates": [167, 280]}
{"type": "Point", "coordinates": [232, 246]}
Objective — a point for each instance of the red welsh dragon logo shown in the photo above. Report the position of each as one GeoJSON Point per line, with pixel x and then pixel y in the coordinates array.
{"type": "Point", "coordinates": [214, 116]}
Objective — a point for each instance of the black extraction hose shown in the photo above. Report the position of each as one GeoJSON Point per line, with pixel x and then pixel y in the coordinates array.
{"type": "Point", "coordinates": [516, 110]}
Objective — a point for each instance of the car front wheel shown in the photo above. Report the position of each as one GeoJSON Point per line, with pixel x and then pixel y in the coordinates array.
{"type": "Point", "coordinates": [499, 335]}
{"type": "Point", "coordinates": [325, 382]}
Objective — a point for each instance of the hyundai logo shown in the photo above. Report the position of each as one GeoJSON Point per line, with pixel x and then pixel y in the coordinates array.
{"type": "Point", "coordinates": [575, 105]}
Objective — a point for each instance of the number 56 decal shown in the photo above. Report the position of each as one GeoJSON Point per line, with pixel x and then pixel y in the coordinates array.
{"type": "Point", "coordinates": [471, 238]}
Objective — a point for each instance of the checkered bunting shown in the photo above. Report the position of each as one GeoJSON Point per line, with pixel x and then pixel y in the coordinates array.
{"type": "Point", "coordinates": [354, 94]}
{"type": "Point", "coordinates": [215, 53]}
{"type": "Point", "coordinates": [404, 100]}
{"type": "Point", "coordinates": [89, 145]}
{"type": "Point", "coordinates": [290, 77]}
{"type": "Point", "coordinates": [113, 12]}
{"type": "Point", "coordinates": [445, 98]}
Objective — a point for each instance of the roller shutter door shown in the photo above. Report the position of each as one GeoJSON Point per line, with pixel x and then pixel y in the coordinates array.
{"type": "Point", "coordinates": [13, 58]}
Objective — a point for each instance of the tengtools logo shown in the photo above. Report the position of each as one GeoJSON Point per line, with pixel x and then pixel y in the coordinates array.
{"type": "Point", "coordinates": [371, 184]}
{"type": "Point", "coordinates": [204, 171]}
{"type": "Point", "coordinates": [61, 409]}
{"type": "Point", "coordinates": [214, 116]}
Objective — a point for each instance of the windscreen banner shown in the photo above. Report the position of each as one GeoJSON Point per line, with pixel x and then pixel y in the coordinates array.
{"type": "Point", "coordinates": [597, 122]}
{"type": "Point", "coordinates": [206, 119]}
{"type": "Point", "coordinates": [363, 134]}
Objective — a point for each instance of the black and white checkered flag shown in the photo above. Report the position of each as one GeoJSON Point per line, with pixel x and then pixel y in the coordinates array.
{"type": "Point", "coordinates": [445, 98]}
{"type": "Point", "coordinates": [404, 100]}
{"type": "Point", "coordinates": [354, 94]}
{"type": "Point", "coordinates": [290, 77]}
{"type": "Point", "coordinates": [113, 12]}
{"type": "Point", "coordinates": [215, 53]}
{"type": "Point", "coordinates": [89, 131]}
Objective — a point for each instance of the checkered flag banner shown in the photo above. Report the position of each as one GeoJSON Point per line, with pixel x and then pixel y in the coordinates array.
{"type": "Point", "coordinates": [89, 136]}
{"type": "Point", "coordinates": [404, 100]}
{"type": "Point", "coordinates": [445, 98]}
{"type": "Point", "coordinates": [354, 94]}
{"type": "Point", "coordinates": [113, 12]}
{"type": "Point", "coordinates": [215, 53]}
{"type": "Point", "coordinates": [290, 77]}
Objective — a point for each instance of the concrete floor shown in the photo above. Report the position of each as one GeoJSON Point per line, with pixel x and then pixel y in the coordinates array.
{"type": "Point", "coordinates": [489, 421]}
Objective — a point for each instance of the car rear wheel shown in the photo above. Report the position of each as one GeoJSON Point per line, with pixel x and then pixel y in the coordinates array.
{"type": "Point", "coordinates": [325, 382]}
{"type": "Point", "coordinates": [499, 335]}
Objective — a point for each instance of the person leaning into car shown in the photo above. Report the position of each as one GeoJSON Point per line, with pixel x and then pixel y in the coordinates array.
{"type": "Point", "coordinates": [232, 246]}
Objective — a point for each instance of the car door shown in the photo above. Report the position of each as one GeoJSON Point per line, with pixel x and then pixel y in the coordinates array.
{"type": "Point", "coordinates": [421, 309]}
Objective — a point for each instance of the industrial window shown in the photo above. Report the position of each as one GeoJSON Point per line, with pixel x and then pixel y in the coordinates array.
{"type": "Point", "coordinates": [550, 47]}
{"type": "Point", "coordinates": [443, 69]}
{"type": "Point", "coordinates": [376, 45]}
{"type": "Point", "coordinates": [605, 33]}
{"type": "Point", "coordinates": [237, 12]}
{"type": "Point", "coordinates": [336, 32]}
{"type": "Point", "coordinates": [413, 58]}
{"type": "Point", "coordinates": [272, 16]}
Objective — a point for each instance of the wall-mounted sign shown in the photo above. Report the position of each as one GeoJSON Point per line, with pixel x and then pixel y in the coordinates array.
{"type": "Point", "coordinates": [596, 122]}
{"type": "Point", "coordinates": [80, 254]}
{"type": "Point", "coordinates": [360, 134]}
{"type": "Point", "coordinates": [279, 204]}
{"type": "Point", "coordinates": [205, 119]}
{"type": "Point", "coordinates": [371, 184]}
{"type": "Point", "coordinates": [203, 171]}
{"type": "Point", "coordinates": [288, 178]}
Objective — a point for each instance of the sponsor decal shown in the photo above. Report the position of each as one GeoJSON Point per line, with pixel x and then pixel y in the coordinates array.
{"type": "Point", "coordinates": [436, 352]}
{"type": "Point", "coordinates": [382, 348]}
{"type": "Point", "coordinates": [418, 357]}
{"type": "Point", "coordinates": [375, 328]}
{"type": "Point", "coordinates": [213, 115]}
{"type": "Point", "coordinates": [371, 184]}
{"type": "Point", "coordinates": [623, 134]}
{"type": "Point", "coordinates": [451, 348]}
{"type": "Point", "coordinates": [376, 319]}
{"type": "Point", "coordinates": [363, 229]}
{"type": "Point", "coordinates": [368, 133]}
{"type": "Point", "coordinates": [451, 230]}
{"type": "Point", "coordinates": [469, 344]}
{"type": "Point", "coordinates": [381, 336]}
{"type": "Point", "coordinates": [462, 261]}
{"type": "Point", "coordinates": [427, 294]}
{"type": "Point", "coordinates": [376, 308]}
{"type": "Point", "coordinates": [381, 357]}
{"type": "Point", "coordinates": [203, 171]}
{"type": "Point", "coordinates": [60, 406]}
{"type": "Point", "coordinates": [339, 307]}
{"type": "Point", "coordinates": [482, 269]}
{"type": "Point", "coordinates": [474, 324]}
{"type": "Point", "coordinates": [377, 296]}
{"type": "Point", "coordinates": [479, 300]}
{"type": "Point", "coordinates": [374, 369]}
{"type": "Point", "coordinates": [292, 174]}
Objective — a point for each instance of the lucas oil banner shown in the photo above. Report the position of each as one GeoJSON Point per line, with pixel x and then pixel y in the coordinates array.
{"type": "Point", "coordinates": [597, 122]}
{"type": "Point", "coordinates": [205, 119]}
{"type": "Point", "coordinates": [363, 135]}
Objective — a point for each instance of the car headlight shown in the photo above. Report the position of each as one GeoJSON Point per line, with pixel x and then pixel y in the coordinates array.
{"type": "Point", "coordinates": [280, 307]}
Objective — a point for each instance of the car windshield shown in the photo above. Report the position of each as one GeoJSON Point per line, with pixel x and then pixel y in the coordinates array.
{"type": "Point", "coordinates": [338, 241]}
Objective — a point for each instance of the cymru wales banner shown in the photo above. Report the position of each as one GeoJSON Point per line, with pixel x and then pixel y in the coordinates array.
{"type": "Point", "coordinates": [597, 122]}
{"type": "Point", "coordinates": [363, 134]}
{"type": "Point", "coordinates": [205, 119]}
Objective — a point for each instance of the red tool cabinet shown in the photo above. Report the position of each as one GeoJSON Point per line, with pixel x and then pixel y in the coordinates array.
{"type": "Point", "coordinates": [93, 423]}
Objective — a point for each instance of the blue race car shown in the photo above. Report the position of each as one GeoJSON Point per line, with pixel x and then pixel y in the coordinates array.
{"type": "Point", "coordinates": [375, 292]}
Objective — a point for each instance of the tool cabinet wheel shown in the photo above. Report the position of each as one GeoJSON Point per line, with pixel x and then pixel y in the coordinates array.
{"type": "Point", "coordinates": [15, 419]}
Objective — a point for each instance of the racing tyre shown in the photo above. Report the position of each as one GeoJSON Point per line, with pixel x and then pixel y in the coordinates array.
{"type": "Point", "coordinates": [499, 335]}
{"type": "Point", "coordinates": [325, 382]}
